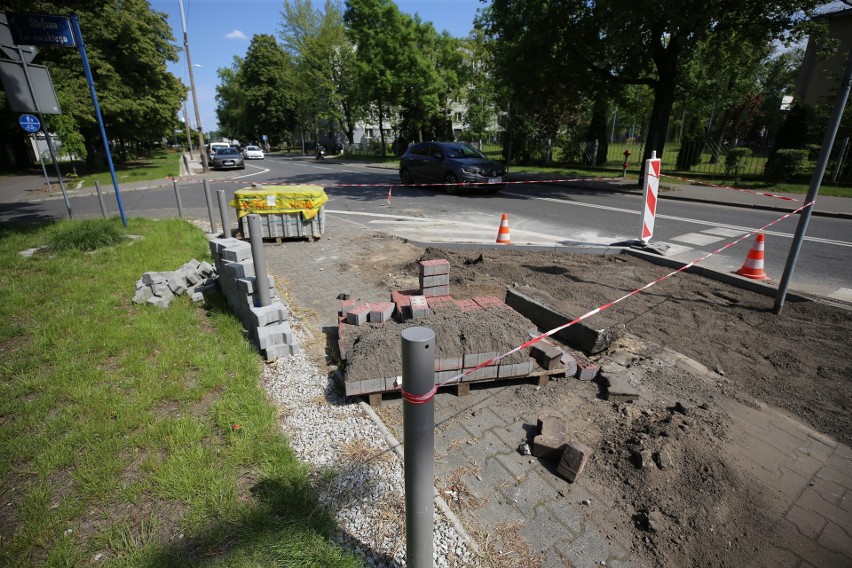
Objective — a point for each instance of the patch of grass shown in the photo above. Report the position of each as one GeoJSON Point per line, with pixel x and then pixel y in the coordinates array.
{"type": "Point", "coordinates": [158, 165]}
{"type": "Point", "coordinates": [116, 438]}
{"type": "Point", "coordinates": [86, 235]}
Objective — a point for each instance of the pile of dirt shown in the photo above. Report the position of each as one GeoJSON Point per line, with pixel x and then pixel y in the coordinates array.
{"type": "Point", "coordinates": [373, 351]}
{"type": "Point", "coordinates": [662, 462]}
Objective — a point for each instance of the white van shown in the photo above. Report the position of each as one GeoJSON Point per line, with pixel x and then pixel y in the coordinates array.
{"type": "Point", "coordinates": [213, 146]}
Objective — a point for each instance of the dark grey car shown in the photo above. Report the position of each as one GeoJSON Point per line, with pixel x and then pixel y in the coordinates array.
{"type": "Point", "coordinates": [227, 158]}
{"type": "Point", "coordinates": [450, 163]}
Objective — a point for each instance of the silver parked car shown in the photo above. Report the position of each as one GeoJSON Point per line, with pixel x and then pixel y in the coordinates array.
{"type": "Point", "coordinates": [225, 158]}
{"type": "Point", "coordinates": [451, 163]}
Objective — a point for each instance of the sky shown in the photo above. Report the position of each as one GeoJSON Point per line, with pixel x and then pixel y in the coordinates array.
{"type": "Point", "coordinates": [218, 30]}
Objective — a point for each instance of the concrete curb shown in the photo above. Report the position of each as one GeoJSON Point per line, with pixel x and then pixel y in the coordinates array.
{"type": "Point", "coordinates": [397, 447]}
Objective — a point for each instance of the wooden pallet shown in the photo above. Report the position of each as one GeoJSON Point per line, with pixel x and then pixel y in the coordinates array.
{"type": "Point", "coordinates": [540, 376]}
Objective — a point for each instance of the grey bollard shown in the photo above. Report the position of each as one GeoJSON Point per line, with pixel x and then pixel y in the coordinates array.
{"type": "Point", "coordinates": [186, 164]}
{"type": "Point", "coordinates": [223, 213]}
{"type": "Point", "coordinates": [418, 423]}
{"type": "Point", "coordinates": [261, 280]}
{"type": "Point", "coordinates": [100, 199]}
{"type": "Point", "coordinates": [177, 198]}
{"type": "Point", "coordinates": [209, 206]}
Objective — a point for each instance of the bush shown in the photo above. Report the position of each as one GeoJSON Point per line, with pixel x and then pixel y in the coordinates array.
{"type": "Point", "coordinates": [734, 159]}
{"type": "Point", "coordinates": [785, 164]}
{"type": "Point", "coordinates": [86, 235]}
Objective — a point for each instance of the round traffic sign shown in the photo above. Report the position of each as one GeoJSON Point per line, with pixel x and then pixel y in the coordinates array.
{"type": "Point", "coordinates": [30, 123]}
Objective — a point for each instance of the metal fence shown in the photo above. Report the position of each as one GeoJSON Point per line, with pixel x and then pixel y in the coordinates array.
{"type": "Point", "coordinates": [702, 159]}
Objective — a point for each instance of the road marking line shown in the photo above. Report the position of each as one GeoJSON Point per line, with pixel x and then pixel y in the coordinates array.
{"type": "Point", "coordinates": [843, 294]}
{"type": "Point", "coordinates": [744, 230]}
{"type": "Point", "coordinates": [730, 233]}
{"type": "Point", "coordinates": [262, 171]}
{"type": "Point", "coordinates": [697, 239]}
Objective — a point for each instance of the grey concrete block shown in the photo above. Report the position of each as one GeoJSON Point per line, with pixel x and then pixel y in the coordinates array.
{"type": "Point", "coordinates": [619, 389]}
{"type": "Point", "coordinates": [267, 315]}
{"type": "Point", "coordinates": [235, 250]}
{"type": "Point", "coordinates": [435, 291]}
{"type": "Point", "coordinates": [275, 352]}
{"type": "Point", "coordinates": [592, 335]}
{"type": "Point", "coordinates": [436, 280]}
{"type": "Point", "coordinates": [197, 296]}
{"type": "Point", "coordinates": [176, 283]}
{"type": "Point", "coordinates": [553, 435]}
{"type": "Point", "coordinates": [273, 334]}
{"type": "Point", "coordinates": [381, 312]}
{"type": "Point", "coordinates": [448, 363]}
{"type": "Point", "coordinates": [142, 295]}
{"type": "Point", "coordinates": [358, 316]}
{"type": "Point", "coordinates": [150, 278]}
{"type": "Point", "coordinates": [205, 269]}
{"type": "Point", "coordinates": [546, 355]}
{"type": "Point", "coordinates": [160, 302]}
{"type": "Point", "coordinates": [432, 267]}
{"type": "Point", "coordinates": [162, 290]}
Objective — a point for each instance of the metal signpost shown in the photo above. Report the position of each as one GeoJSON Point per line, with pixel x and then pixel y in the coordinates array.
{"type": "Point", "coordinates": [61, 31]}
{"type": "Point", "coordinates": [31, 125]}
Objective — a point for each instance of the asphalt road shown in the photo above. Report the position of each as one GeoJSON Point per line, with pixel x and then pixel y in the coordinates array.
{"type": "Point", "coordinates": [538, 214]}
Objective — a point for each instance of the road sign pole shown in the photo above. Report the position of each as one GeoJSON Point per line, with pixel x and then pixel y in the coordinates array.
{"type": "Point", "coordinates": [90, 80]}
{"type": "Point", "coordinates": [41, 161]}
{"type": "Point", "coordinates": [47, 137]}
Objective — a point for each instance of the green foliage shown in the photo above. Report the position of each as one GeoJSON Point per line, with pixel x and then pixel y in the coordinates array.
{"type": "Point", "coordinates": [734, 159]}
{"type": "Point", "coordinates": [128, 46]}
{"type": "Point", "coordinates": [785, 164]}
{"type": "Point", "coordinates": [87, 235]}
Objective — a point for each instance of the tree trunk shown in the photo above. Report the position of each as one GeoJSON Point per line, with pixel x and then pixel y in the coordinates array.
{"type": "Point", "coordinates": [381, 130]}
{"type": "Point", "coordinates": [665, 59]}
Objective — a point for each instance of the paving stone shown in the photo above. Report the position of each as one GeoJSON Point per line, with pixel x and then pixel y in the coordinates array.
{"type": "Point", "coordinates": [590, 549]}
{"type": "Point", "coordinates": [266, 315]}
{"type": "Point", "coordinates": [432, 267]}
{"type": "Point", "coordinates": [809, 523]}
{"type": "Point", "coordinates": [573, 460]}
{"type": "Point", "coordinates": [419, 307]}
{"type": "Point", "coordinates": [530, 493]}
{"type": "Point", "coordinates": [836, 539]}
{"type": "Point", "coordinates": [828, 490]}
{"type": "Point", "coordinates": [811, 501]}
{"type": "Point", "coordinates": [618, 389]}
{"type": "Point", "coordinates": [435, 291]}
{"type": "Point", "coordinates": [546, 355]}
{"type": "Point", "coordinates": [553, 434]}
{"type": "Point", "coordinates": [436, 280]}
{"type": "Point", "coordinates": [488, 480]}
{"type": "Point", "coordinates": [479, 423]}
{"type": "Point", "coordinates": [542, 531]}
{"type": "Point", "coordinates": [358, 315]}
{"type": "Point", "coordinates": [832, 473]}
{"type": "Point", "coordinates": [381, 312]}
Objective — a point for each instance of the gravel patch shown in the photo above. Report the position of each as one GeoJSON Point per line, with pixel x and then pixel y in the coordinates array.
{"type": "Point", "coordinates": [356, 473]}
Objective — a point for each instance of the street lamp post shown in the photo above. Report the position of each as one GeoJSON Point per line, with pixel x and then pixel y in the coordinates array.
{"type": "Point", "coordinates": [192, 87]}
{"type": "Point", "coordinates": [186, 117]}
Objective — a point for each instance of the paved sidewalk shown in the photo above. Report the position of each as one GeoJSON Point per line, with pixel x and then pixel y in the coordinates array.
{"type": "Point", "coordinates": [809, 475]}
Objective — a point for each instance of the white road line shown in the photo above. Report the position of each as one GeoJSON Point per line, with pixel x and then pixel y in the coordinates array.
{"type": "Point", "coordinates": [683, 219]}
{"type": "Point", "coordinates": [697, 239]}
{"type": "Point", "coordinates": [262, 171]}
{"type": "Point", "coordinates": [844, 294]}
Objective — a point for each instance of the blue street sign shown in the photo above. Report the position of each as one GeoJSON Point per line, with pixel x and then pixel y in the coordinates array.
{"type": "Point", "coordinates": [29, 123]}
{"type": "Point", "coordinates": [265, 138]}
{"type": "Point", "coordinates": [40, 29]}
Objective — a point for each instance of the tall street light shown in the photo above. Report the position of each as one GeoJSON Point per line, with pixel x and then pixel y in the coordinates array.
{"type": "Point", "coordinates": [192, 88]}
{"type": "Point", "coordinates": [186, 117]}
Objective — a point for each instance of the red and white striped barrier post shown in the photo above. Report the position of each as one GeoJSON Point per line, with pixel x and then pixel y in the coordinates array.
{"type": "Point", "coordinates": [652, 186]}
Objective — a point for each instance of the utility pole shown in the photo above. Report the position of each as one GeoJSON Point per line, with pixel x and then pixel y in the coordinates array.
{"type": "Point", "coordinates": [192, 88]}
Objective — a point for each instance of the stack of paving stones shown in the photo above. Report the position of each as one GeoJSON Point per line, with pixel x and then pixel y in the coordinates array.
{"type": "Point", "coordinates": [160, 288]}
{"type": "Point", "coordinates": [553, 443]}
{"type": "Point", "coordinates": [433, 298]}
{"type": "Point", "coordinates": [267, 326]}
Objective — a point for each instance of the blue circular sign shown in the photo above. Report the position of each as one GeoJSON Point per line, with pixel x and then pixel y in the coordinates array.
{"type": "Point", "coordinates": [30, 123]}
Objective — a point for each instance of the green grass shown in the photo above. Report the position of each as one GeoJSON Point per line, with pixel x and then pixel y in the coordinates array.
{"type": "Point", "coordinates": [158, 165]}
{"type": "Point", "coordinates": [117, 445]}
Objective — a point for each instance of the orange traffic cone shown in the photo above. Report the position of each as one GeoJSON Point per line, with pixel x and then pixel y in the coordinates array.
{"type": "Point", "coordinates": [753, 265]}
{"type": "Point", "coordinates": [503, 233]}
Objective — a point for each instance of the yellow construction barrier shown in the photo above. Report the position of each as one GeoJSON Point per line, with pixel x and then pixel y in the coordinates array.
{"type": "Point", "coordinates": [288, 211]}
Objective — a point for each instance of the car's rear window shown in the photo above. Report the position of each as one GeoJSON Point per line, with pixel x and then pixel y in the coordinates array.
{"type": "Point", "coordinates": [226, 151]}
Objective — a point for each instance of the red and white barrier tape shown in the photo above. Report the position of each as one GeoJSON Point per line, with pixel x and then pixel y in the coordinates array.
{"type": "Point", "coordinates": [761, 193]}
{"type": "Point", "coordinates": [420, 399]}
{"type": "Point", "coordinates": [392, 185]}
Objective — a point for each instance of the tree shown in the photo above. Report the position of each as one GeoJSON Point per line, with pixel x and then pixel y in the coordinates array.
{"type": "Point", "coordinates": [647, 45]}
{"type": "Point", "coordinates": [268, 84]}
{"type": "Point", "coordinates": [128, 46]}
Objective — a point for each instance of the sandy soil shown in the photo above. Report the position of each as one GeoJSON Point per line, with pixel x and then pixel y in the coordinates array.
{"type": "Point", "coordinates": [681, 502]}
